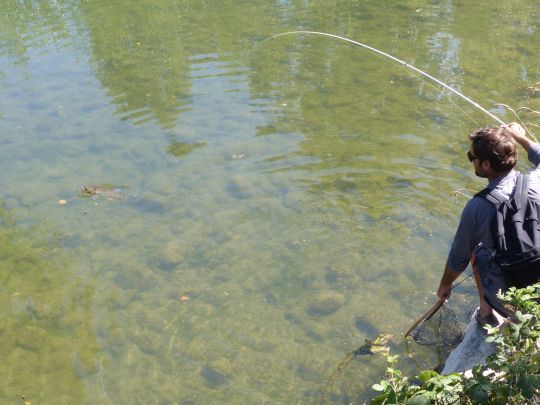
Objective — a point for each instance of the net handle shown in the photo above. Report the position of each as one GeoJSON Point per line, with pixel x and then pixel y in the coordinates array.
{"type": "Point", "coordinates": [430, 312]}
{"type": "Point", "coordinates": [438, 304]}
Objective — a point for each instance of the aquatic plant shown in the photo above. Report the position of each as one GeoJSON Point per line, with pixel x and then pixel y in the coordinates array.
{"type": "Point", "coordinates": [46, 318]}
{"type": "Point", "coordinates": [179, 149]}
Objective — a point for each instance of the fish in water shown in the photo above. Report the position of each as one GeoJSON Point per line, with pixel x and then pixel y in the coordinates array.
{"type": "Point", "coordinates": [379, 344]}
{"type": "Point", "coordinates": [144, 205]}
{"type": "Point", "coordinates": [111, 193]}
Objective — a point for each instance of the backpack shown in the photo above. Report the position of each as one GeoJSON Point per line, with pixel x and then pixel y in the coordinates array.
{"type": "Point", "coordinates": [516, 234]}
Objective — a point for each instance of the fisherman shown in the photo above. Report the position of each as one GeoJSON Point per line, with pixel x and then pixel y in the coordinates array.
{"type": "Point", "coordinates": [493, 153]}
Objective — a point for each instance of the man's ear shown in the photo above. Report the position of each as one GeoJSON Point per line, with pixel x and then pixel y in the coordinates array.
{"type": "Point", "coordinates": [486, 166]}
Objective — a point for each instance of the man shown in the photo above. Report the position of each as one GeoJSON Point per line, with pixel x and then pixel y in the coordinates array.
{"type": "Point", "coordinates": [493, 154]}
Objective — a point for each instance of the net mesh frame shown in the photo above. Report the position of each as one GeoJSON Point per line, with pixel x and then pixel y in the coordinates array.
{"type": "Point", "coordinates": [441, 329]}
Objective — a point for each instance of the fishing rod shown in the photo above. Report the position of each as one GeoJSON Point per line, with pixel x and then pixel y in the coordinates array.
{"type": "Point", "coordinates": [393, 58]}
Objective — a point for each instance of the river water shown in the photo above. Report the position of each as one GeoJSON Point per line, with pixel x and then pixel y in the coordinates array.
{"type": "Point", "coordinates": [280, 203]}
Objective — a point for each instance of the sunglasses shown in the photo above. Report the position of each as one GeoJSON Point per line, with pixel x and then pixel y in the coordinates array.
{"type": "Point", "coordinates": [470, 156]}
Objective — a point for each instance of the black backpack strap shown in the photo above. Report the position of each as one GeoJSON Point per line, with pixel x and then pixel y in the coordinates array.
{"type": "Point", "coordinates": [492, 196]}
{"type": "Point", "coordinates": [497, 199]}
{"type": "Point", "coordinates": [518, 198]}
{"type": "Point", "coordinates": [520, 193]}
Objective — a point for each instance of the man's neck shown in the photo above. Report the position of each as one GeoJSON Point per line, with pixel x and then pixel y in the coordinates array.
{"type": "Point", "coordinates": [495, 175]}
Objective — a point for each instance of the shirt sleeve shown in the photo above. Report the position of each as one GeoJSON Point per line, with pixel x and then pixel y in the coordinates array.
{"type": "Point", "coordinates": [466, 237]}
{"type": "Point", "coordinates": [534, 154]}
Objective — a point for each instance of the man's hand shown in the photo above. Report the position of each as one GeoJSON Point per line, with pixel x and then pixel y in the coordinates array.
{"type": "Point", "coordinates": [518, 132]}
{"type": "Point", "coordinates": [444, 291]}
{"type": "Point", "coordinates": [447, 280]}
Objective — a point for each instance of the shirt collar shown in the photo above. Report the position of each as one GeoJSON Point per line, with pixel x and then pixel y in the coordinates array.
{"type": "Point", "coordinates": [512, 174]}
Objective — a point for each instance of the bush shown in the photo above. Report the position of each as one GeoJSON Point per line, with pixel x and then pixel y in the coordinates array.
{"type": "Point", "coordinates": [510, 376]}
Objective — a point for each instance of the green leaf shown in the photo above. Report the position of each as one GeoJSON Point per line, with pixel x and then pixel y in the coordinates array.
{"type": "Point", "coordinates": [379, 400]}
{"type": "Point", "coordinates": [380, 387]}
{"type": "Point", "coordinates": [479, 393]}
{"type": "Point", "coordinates": [426, 375]}
{"type": "Point", "coordinates": [529, 385]}
{"type": "Point", "coordinates": [419, 400]}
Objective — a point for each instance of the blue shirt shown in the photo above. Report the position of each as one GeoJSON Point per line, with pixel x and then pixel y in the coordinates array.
{"type": "Point", "coordinates": [475, 223]}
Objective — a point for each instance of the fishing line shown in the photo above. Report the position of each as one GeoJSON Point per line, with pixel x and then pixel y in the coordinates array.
{"type": "Point", "coordinates": [393, 58]}
{"type": "Point", "coordinates": [435, 87]}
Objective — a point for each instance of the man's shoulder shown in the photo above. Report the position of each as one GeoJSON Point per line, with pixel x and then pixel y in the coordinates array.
{"type": "Point", "coordinates": [479, 199]}
{"type": "Point", "coordinates": [478, 205]}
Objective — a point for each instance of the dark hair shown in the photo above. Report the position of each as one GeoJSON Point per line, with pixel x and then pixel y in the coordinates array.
{"type": "Point", "coordinates": [497, 145]}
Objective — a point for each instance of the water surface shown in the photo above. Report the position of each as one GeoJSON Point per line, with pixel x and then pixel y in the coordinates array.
{"type": "Point", "coordinates": [297, 192]}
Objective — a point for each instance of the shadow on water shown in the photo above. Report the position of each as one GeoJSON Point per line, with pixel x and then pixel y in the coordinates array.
{"type": "Point", "coordinates": [47, 329]}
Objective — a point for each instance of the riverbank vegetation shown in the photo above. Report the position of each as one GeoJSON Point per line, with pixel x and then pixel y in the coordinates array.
{"type": "Point", "coordinates": [510, 376]}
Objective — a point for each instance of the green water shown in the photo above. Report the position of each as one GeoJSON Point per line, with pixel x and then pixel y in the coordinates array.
{"type": "Point", "coordinates": [297, 192]}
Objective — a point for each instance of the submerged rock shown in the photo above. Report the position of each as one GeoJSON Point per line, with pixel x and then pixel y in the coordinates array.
{"type": "Point", "coordinates": [326, 303]}
{"type": "Point", "coordinates": [213, 377]}
{"type": "Point", "coordinates": [365, 326]}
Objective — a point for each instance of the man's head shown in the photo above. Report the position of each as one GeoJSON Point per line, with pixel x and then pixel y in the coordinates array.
{"type": "Point", "coordinates": [493, 151]}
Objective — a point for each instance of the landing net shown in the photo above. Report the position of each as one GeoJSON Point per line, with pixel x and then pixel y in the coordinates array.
{"type": "Point", "coordinates": [441, 329]}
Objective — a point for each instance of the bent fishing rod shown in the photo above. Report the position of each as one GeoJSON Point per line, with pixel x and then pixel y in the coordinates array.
{"type": "Point", "coordinates": [393, 58]}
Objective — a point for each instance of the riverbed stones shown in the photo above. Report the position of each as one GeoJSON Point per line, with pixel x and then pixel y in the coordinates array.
{"type": "Point", "coordinates": [326, 303]}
